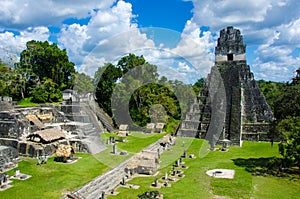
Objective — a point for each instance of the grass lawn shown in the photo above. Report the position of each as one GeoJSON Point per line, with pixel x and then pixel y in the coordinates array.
{"type": "Point", "coordinates": [136, 142]}
{"type": "Point", "coordinates": [27, 102]}
{"type": "Point", "coordinates": [53, 179]}
{"type": "Point", "coordinates": [196, 184]}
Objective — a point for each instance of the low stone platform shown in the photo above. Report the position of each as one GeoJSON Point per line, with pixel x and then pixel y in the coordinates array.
{"type": "Point", "coordinates": [221, 173]}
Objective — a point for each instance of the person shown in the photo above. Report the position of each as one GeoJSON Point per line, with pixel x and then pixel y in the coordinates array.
{"type": "Point", "coordinates": [38, 160]}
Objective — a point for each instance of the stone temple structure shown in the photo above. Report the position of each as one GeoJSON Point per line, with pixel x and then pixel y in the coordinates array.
{"type": "Point", "coordinates": [231, 105]}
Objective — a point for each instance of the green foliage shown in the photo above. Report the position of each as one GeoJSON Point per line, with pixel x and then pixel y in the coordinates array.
{"type": "Point", "coordinates": [146, 97]}
{"type": "Point", "coordinates": [40, 63]}
{"type": "Point", "coordinates": [133, 87]}
{"type": "Point", "coordinates": [43, 60]}
{"type": "Point", "coordinates": [27, 102]}
{"type": "Point", "coordinates": [172, 125]}
{"type": "Point", "coordinates": [198, 86]}
{"type": "Point", "coordinates": [129, 62]}
{"type": "Point", "coordinates": [47, 91]}
{"type": "Point", "coordinates": [284, 99]}
{"type": "Point", "coordinates": [271, 91]}
{"type": "Point", "coordinates": [290, 149]}
{"type": "Point", "coordinates": [4, 79]}
{"type": "Point", "coordinates": [106, 85]}
{"type": "Point", "coordinates": [83, 82]}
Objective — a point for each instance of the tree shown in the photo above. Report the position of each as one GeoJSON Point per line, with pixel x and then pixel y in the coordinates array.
{"type": "Point", "coordinates": [106, 78]}
{"type": "Point", "coordinates": [11, 82]}
{"type": "Point", "coordinates": [149, 96]}
{"type": "Point", "coordinates": [46, 91]}
{"type": "Point", "coordinates": [129, 62]}
{"type": "Point", "coordinates": [42, 60]}
{"type": "Point", "coordinates": [285, 101]}
{"type": "Point", "coordinates": [271, 91]}
{"type": "Point", "coordinates": [198, 86]}
{"type": "Point", "coordinates": [125, 89]}
{"type": "Point", "coordinates": [83, 82]}
{"type": "Point", "coordinates": [106, 85]}
{"type": "Point", "coordinates": [5, 72]}
{"type": "Point", "coordinates": [296, 79]}
{"type": "Point", "coordinates": [290, 149]}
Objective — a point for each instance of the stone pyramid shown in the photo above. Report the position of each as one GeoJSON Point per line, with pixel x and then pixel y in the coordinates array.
{"type": "Point", "coordinates": [231, 105]}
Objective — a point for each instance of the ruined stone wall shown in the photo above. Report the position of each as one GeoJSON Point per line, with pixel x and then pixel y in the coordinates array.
{"type": "Point", "coordinates": [5, 103]}
{"type": "Point", "coordinates": [7, 155]}
{"type": "Point", "coordinates": [255, 131]}
{"type": "Point", "coordinates": [12, 125]}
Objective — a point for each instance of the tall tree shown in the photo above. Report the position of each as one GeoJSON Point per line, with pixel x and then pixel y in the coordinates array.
{"type": "Point", "coordinates": [43, 60]}
{"type": "Point", "coordinates": [5, 71]}
{"type": "Point", "coordinates": [129, 62]}
{"type": "Point", "coordinates": [106, 85]}
{"type": "Point", "coordinates": [83, 82]}
{"type": "Point", "coordinates": [106, 78]}
{"type": "Point", "coordinates": [199, 85]}
{"type": "Point", "coordinates": [46, 91]}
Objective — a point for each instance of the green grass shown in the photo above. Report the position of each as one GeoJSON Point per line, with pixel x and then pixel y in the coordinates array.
{"type": "Point", "coordinates": [196, 184]}
{"type": "Point", "coordinates": [27, 102]}
{"type": "Point", "coordinates": [136, 142]}
{"type": "Point", "coordinates": [53, 179]}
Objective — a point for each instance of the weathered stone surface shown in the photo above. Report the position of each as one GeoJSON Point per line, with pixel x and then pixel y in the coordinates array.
{"type": "Point", "coordinates": [230, 93]}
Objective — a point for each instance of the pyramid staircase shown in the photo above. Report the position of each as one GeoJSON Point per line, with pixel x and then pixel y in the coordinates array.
{"type": "Point", "coordinates": [197, 119]}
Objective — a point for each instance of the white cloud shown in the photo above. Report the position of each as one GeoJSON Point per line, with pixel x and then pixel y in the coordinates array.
{"type": "Point", "coordinates": [109, 35]}
{"type": "Point", "coordinates": [18, 14]}
{"type": "Point", "coordinates": [271, 26]}
{"type": "Point", "coordinates": [198, 50]}
{"type": "Point", "coordinates": [72, 37]}
{"type": "Point", "coordinates": [12, 45]}
{"type": "Point", "coordinates": [90, 64]}
{"type": "Point", "coordinates": [258, 21]}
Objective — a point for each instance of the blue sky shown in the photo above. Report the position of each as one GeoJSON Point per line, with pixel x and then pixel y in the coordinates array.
{"type": "Point", "coordinates": [170, 14]}
{"type": "Point", "coordinates": [177, 35]}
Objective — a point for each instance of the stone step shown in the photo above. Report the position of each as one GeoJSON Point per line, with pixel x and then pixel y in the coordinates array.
{"type": "Point", "coordinates": [112, 178]}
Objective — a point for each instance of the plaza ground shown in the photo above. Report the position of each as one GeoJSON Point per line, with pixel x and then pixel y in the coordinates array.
{"type": "Point", "coordinates": [53, 180]}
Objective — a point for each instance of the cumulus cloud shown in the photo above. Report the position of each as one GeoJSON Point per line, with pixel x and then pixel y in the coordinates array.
{"type": "Point", "coordinates": [19, 14]}
{"type": "Point", "coordinates": [258, 20]}
{"type": "Point", "coordinates": [109, 35]}
{"type": "Point", "coordinates": [197, 48]}
{"type": "Point", "coordinates": [275, 61]}
{"type": "Point", "coordinates": [12, 45]}
{"type": "Point", "coordinates": [72, 37]}
{"type": "Point", "coordinates": [110, 31]}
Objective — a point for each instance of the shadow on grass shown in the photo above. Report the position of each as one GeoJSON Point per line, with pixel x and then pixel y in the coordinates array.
{"type": "Point", "coordinates": [267, 166]}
